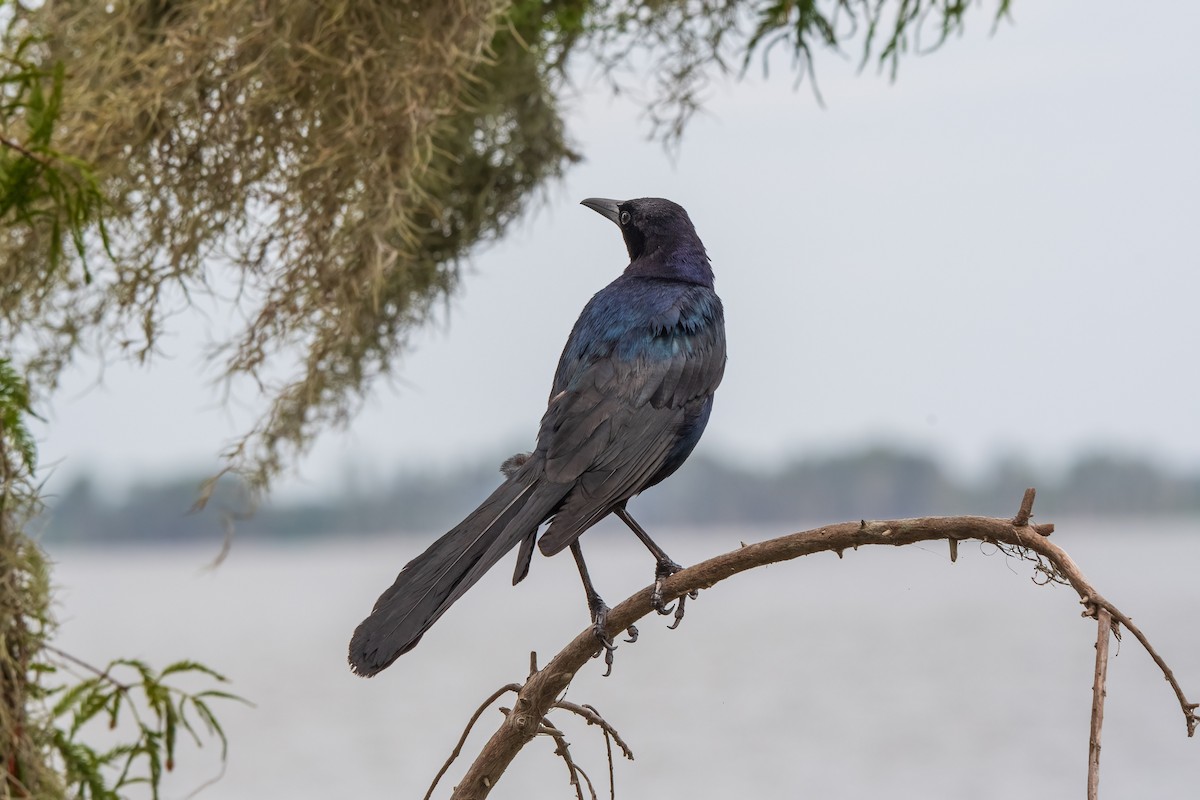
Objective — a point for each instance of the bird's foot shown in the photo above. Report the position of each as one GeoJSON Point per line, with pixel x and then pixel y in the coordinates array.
{"type": "Point", "coordinates": [600, 631]}
{"type": "Point", "coordinates": [683, 598]}
{"type": "Point", "coordinates": [662, 571]}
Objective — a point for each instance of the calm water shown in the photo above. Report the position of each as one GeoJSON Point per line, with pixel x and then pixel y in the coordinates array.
{"type": "Point", "coordinates": [891, 673]}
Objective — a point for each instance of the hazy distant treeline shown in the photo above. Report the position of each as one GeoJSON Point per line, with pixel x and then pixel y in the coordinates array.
{"type": "Point", "coordinates": [871, 483]}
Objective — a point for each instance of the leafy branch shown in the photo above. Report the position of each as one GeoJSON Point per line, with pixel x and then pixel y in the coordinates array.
{"type": "Point", "coordinates": [160, 713]}
{"type": "Point", "coordinates": [48, 734]}
{"type": "Point", "coordinates": [42, 189]}
{"type": "Point", "coordinates": [801, 23]}
{"type": "Point", "coordinates": [681, 44]}
{"type": "Point", "coordinates": [14, 407]}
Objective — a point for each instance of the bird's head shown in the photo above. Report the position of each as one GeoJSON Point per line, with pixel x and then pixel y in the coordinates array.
{"type": "Point", "coordinates": [660, 238]}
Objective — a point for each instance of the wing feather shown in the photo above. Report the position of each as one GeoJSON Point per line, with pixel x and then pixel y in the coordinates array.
{"type": "Point", "coordinates": [616, 413]}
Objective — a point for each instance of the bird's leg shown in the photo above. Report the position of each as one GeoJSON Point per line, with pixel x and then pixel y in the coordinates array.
{"type": "Point", "coordinates": [664, 568]}
{"type": "Point", "coordinates": [599, 612]}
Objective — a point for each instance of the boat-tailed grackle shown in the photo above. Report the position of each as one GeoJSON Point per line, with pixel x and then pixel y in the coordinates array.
{"type": "Point", "coordinates": [630, 399]}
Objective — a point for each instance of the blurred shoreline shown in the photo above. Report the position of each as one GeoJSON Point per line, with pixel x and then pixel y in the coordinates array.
{"type": "Point", "coordinates": [873, 482]}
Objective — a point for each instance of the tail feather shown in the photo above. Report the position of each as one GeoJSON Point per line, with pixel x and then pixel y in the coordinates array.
{"type": "Point", "coordinates": [524, 557]}
{"type": "Point", "coordinates": [434, 580]}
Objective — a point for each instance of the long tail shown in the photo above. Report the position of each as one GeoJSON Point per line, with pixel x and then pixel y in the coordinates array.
{"type": "Point", "coordinates": [431, 582]}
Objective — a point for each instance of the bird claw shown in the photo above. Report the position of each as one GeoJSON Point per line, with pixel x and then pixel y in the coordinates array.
{"type": "Point", "coordinates": [662, 571]}
{"type": "Point", "coordinates": [605, 642]}
{"type": "Point", "coordinates": [693, 594]}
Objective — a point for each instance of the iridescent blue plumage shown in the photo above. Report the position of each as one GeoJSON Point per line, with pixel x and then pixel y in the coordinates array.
{"type": "Point", "coordinates": [630, 399]}
{"type": "Point", "coordinates": [642, 363]}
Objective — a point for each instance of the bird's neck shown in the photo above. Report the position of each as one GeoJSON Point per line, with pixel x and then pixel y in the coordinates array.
{"type": "Point", "coordinates": [688, 264]}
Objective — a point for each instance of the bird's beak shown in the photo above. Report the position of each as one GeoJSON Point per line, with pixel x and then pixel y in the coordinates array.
{"type": "Point", "coordinates": [607, 208]}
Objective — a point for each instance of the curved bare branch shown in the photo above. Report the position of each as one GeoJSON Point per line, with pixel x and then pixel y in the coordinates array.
{"type": "Point", "coordinates": [1016, 536]}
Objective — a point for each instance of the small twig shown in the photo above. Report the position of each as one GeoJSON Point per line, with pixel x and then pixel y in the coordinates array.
{"type": "Point", "coordinates": [512, 687]}
{"type": "Point", "coordinates": [612, 773]}
{"type": "Point", "coordinates": [563, 750]}
{"type": "Point", "coordinates": [610, 733]}
{"type": "Point", "coordinates": [20, 148]}
{"type": "Point", "coordinates": [1021, 520]}
{"type": "Point", "coordinates": [1189, 709]}
{"type": "Point", "coordinates": [592, 717]}
{"type": "Point", "coordinates": [588, 781]}
{"type": "Point", "coordinates": [1104, 625]}
{"type": "Point", "coordinates": [102, 674]}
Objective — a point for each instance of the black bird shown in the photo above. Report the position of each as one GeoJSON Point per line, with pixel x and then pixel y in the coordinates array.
{"type": "Point", "coordinates": [631, 396]}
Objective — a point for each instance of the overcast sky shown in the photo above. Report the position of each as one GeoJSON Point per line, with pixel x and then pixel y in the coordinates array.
{"type": "Point", "coordinates": [998, 253]}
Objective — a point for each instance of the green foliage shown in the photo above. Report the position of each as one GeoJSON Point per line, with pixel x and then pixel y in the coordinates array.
{"type": "Point", "coordinates": [801, 23]}
{"type": "Point", "coordinates": [45, 195]}
{"type": "Point", "coordinates": [14, 407]}
{"type": "Point", "coordinates": [47, 735]}
{"type": "Point", "coordinates": [159, 713]}
{"type": "Point", "coordinates": [679, 45]}
{"type": "Point", "coordinates": [25, 623]}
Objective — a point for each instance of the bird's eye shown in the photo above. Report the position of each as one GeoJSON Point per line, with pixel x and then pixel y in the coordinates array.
{"type": "Point", "coordinates": [624, 217]}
